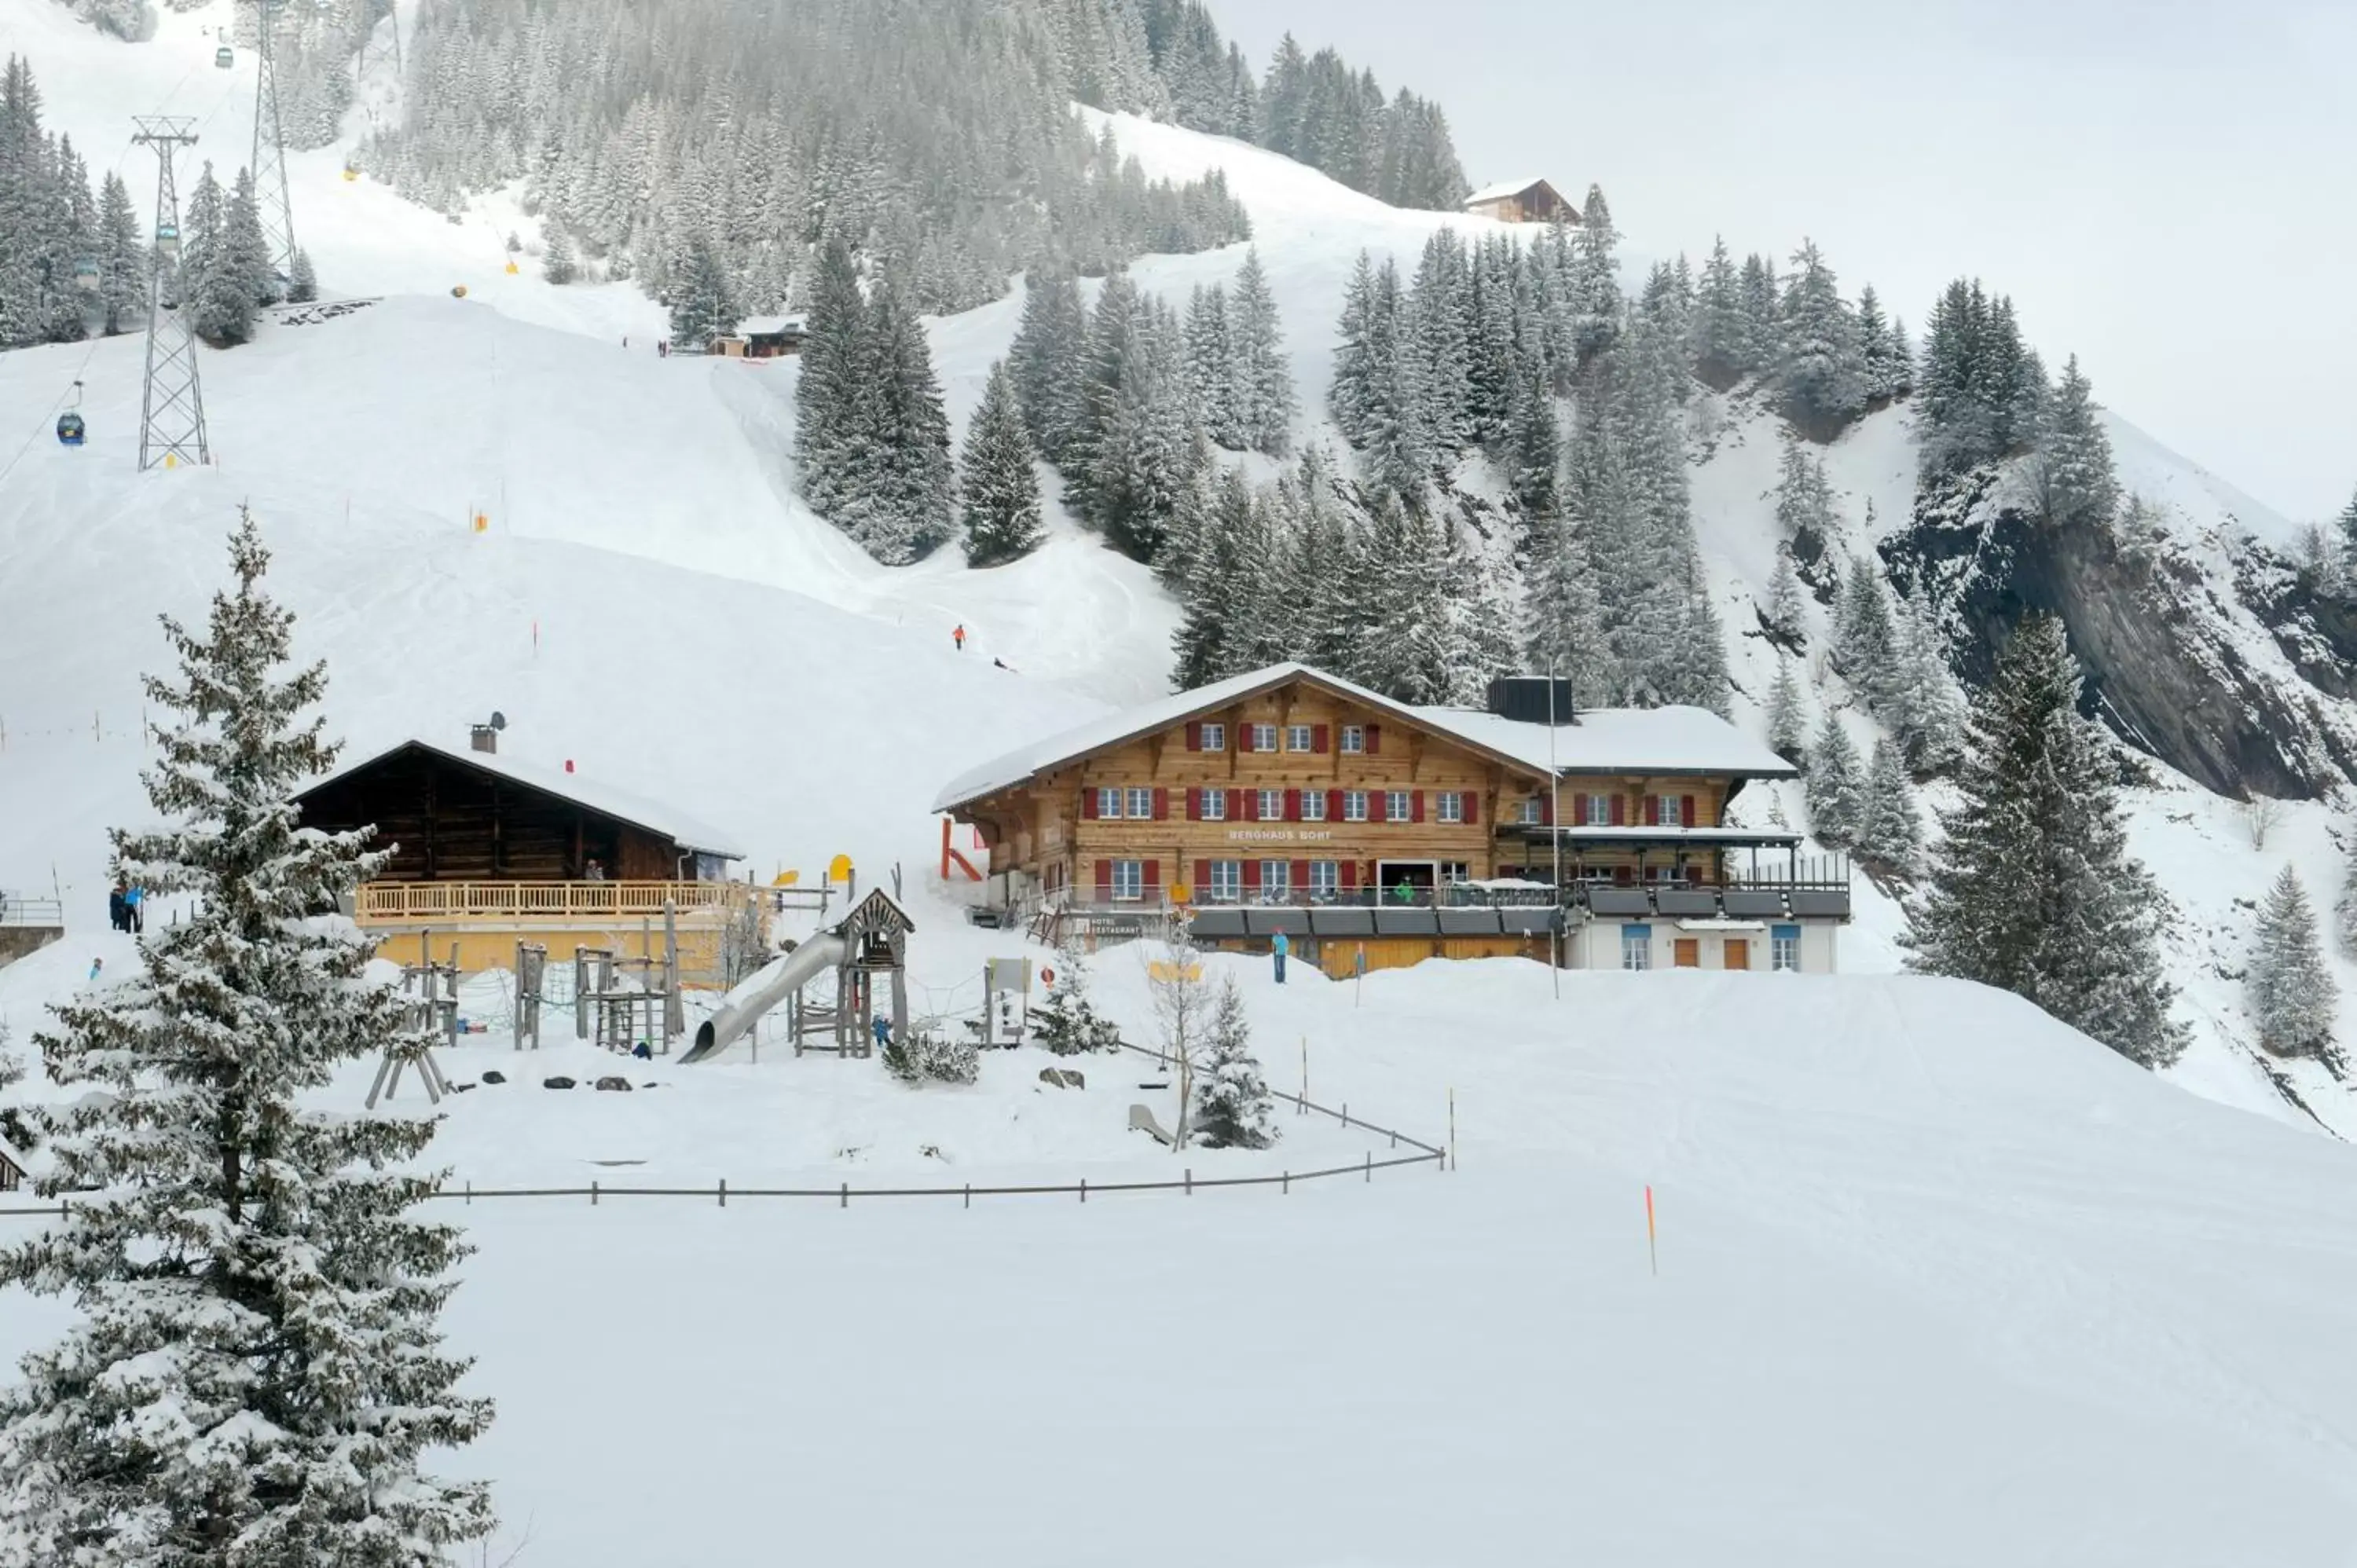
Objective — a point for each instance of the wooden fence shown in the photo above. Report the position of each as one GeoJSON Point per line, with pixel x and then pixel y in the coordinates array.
{"type": "Point", "coordinates": [408, 903]}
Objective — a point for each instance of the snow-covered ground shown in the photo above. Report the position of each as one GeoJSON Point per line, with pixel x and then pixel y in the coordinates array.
{"type": "Point", "coordinates": [1941, 1280]}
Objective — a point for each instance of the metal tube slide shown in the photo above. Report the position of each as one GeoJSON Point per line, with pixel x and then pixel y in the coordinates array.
{"type": "Point", "coordinates": [743, 1008]}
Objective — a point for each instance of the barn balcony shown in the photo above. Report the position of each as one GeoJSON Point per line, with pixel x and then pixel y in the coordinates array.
{"type": "Point", "coordinates": [402, 904]}
{"type": "Point", "coordinates": [483, 922]}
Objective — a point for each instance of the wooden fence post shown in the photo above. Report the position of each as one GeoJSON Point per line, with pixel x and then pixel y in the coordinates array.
{"type": "Point", "coordinates": [593, 1192]}
{"type": "Point", "coordinates": [724, 1192]}
{"type": "Point", "coordinates": [1285, 1182]}
{"type": "Point", "coordinates": [846, 1195]}
{"type": "Point", "coordinates": [1084, 1189]}
{"type": "Point", "coordinates": [1191, 1181]}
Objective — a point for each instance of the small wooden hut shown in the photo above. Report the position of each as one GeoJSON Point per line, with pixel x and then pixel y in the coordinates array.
{"type": "Point", "coordinates": [1522, 201]}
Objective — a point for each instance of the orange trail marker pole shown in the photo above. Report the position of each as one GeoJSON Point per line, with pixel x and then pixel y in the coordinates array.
{"type": "Point", "coordinates": [1652, 1252]}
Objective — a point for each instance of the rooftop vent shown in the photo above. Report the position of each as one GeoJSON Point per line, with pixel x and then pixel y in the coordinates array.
{"type": "Point", "coordinates": [486, 737]}
{"type": "Point", "coordinates": [1532, 699]}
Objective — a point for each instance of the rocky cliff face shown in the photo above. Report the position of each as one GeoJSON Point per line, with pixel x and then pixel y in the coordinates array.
{"type": "Point", "coordinates": [2204, 648]}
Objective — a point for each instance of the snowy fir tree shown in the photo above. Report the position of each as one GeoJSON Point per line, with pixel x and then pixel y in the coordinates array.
{"type": "Point", "coordinates": [998, 489]}
{"type": "Point", "coordinates": [1788, 733]}
{"type": "Point", "coordinates": [215, 291]}
{"type": "Point", "coordinates": [2293, 994]}
{"type": "Point", "coordinates": [249, 249]}
{"type": "Point", "coordinates": [1046, 361]}
{"type": "Point", "coordinates": [2344, 908]}
{"type": "Point", "coordinates": [1804, 502]}
{"type": "Point", "coordinates": [123, 268]}
{"type": "Point", "coordinates": [701, 308]}
{"type": "Point", "coordinates": [258, 1370]}
{"type": "Point", "coordinates": [16, 1127]}
{"type": "Point", "coordinates": [1924, 705]}
{"type": "Point", "coordinates": [2347, 523]}
{"type": "Point", "coordinates": [1232, 1109]}
{"type": "Point", "coordinates": [1837, 791]}
{"type": "Point", "coordinates": [1865, 640]}
{"type": "Point", "coordinates": [2032, 888]}
{"type": "Point", "coordinates": [1717, 340]}
{"type": "Point", "coordinates": [2072, 475]}
{"type": "Point", "coordinates": [1066, 1021]}
{"type": "Point", "coordinates": [1820, 373]}
{"type": "Point", "coordinates": [871, 437]}
{"type": "Point", "coordinates": [1783, 620]}
{"type": "Point", "coordinates": [302, 282]}
{"type": "Point", "coordinates": [559, 264]}
{"type": "Point", "coordinates": [1890, 825]}
{"type": "Point", "coordinates": [1265, 402]}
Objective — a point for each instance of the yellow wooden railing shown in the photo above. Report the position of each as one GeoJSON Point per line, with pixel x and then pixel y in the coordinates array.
{"type": "Point", "coordinates": [407, 903]}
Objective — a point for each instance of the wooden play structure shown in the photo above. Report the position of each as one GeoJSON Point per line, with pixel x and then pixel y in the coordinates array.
{"type": "Point", "coordinates": [869, 947]}
{"type": "Point", "coordinates": [430, 1006]}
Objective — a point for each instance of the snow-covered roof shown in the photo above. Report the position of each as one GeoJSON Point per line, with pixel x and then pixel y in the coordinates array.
{"type": "Point", "coordinates": [1606, 740]}
{"type": "Point", "coordinates": [753, 324]}
{"type": "Point", "coordinates": [1504, 189]}
{"type": "Point", "coordinates": [600, 797]}
{"type": "Point", "coordinates": [11, 1156]}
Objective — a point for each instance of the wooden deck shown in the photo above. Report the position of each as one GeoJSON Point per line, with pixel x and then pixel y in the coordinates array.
{"type": "Point", "coordinates": [428, 903]}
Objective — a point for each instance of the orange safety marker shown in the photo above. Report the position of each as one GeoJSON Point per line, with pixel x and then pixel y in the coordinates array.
{"type": "Point", "coordinates": [1652, 1253]}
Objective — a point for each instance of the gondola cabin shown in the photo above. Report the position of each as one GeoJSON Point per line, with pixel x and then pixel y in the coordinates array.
{"type": "Point", "coordinates": [86, 274]}
{"type": "Point", "coordinates": [224, 57]}
{"type": "Point", "coordinates": [71, 430]}
{"type": "Point", "coordinates": [167, 238]}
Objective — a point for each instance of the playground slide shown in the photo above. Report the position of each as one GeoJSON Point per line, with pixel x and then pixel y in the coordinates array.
{"type": "Point", "coordinates": [743, 1008]}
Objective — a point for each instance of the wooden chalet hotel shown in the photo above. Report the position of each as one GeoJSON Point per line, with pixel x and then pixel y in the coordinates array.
{"type": "Point", "coordinates": [1289, 800]}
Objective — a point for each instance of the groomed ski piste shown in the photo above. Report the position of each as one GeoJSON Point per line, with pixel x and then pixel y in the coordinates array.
{"type": "Point", "coordinates": [1936, 1281]}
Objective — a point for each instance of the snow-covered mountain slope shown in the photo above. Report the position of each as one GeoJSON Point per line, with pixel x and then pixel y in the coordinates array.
{"type": "Point", "coordinates": [629, 498]}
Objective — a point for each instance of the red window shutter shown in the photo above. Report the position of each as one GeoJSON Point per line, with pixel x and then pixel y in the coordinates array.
{"type": "Point", "coordinates": [1379, 805]}
{"type": "Point", "coordinates": [1686, 812]}
{"type": "Point", "coordinates": [1252, 875]}
{"type": "Point", "coordinates": [1319, 734]}
{"type": "Point", "coordinates": [1161, 804]}
{"type": "Point", "coordinates": [1333, 805]}
{"type": "Point", "coordinates": [1653, 810]}
{"type": "Point", "coordinates": [1202, 880]}
{"type": "Point", "coordinates": [1620, 810]}
{"type": "Point", "coordinates": [1624, 874]}
{"type": "Point", "coordinates": [1151, 873]}
{"type": "Point", "coordinates": [1472, 805]}
{"type": "Point", "coordinates": [1301, 876]}
{"type": "Point", "coordinates": [1194, 804]}
{"type": "Point", "coordinates": [1194, 735]}
{"type": "Point", "coordinates": [1416, 807]}
{"type": "Point", "coordinates": [1249, 805]}
{"type": "Point", "coordinates": [1374, 739]}
{"type": "Point", "coordinates": [1104, 882]}
{"type": "Point", "coordinates": [1579, 809]}
{"type": "Point", "coordinates": [1088, 805]}
{"type": "Point", "coordinates": [1293, 805]}
{"type": "Point", "coordinates": [1350, 874]}
{"type": "Point", "coordinates": [1546, 809]}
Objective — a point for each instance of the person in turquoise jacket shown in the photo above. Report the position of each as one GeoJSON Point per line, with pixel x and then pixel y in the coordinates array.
{"type": "Point", "coordinates": [1281, 946]}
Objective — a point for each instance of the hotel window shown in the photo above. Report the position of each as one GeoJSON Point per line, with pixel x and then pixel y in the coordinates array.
{"type": "Point", "coordinates": [1636, 946]}
{"type": "Point", "coordinates": [1599, 811]}
{"type": "Point", "coordinates": [1128, 880]}
{"type": "Point", "coordinates": [1215, 805]}
{"type": "Point", "coordinates": [1354, 805]}
{"type": "Point", "coordinates": [1453, 872]}
{"type": "Point", "coordinates": [1313, 805]}
{"type": "Point", "coordinates": [1215, 738]}
{"type": "Point", "coordinates": [1395, 806]}
{"type": "Point", "coordinates": [1263, 737]}
{"type": "Point", "coordinates": [1784, 948]}
{"type": "Point", "coordinates": [1325, 879]}
{"type": "Point", "coordinates": [1354, 738]}
{"type": "Point", "coordinates": [1272, 805]}
{"type": "Point", "coordinates": [1452, 806]}
{"type": "Point", "coordinates": [1530, 810]}
{"type": "Point", "coordinates": [1227, 881]}
{"type": "Point", "coordinates": [1669, 810]}
{"type": "Point", "coordinates": [1296, 737]}
{"type": "Point", "coordinates": [1139, 804]}
{"type": "Point", "coordinates": [1108, 802]}
{"type": "Point", "coordinates": [1275, 879]}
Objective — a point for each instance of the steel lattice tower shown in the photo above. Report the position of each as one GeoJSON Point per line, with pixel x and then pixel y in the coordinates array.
{"type": "Point", "coordinates": [172, 406]}
{"type": "Point", "coordinates": [269, 161]}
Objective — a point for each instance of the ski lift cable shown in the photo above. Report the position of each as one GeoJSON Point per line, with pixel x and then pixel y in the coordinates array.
{"type": "Point", "coordinates": [46, 424]}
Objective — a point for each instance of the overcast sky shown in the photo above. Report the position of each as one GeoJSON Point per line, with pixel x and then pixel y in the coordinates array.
{"type": "Point", "coordinates": [2168, 189]}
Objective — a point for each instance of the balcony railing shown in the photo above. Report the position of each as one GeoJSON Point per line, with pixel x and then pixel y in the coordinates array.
{"type": "Point", "coordinates": [410, 903]}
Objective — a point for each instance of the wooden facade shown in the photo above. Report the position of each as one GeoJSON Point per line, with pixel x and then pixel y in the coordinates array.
{"type": "Point", "coordinates": [448, 820]}
{"type": "Point", "coordinates": [1536, 201]}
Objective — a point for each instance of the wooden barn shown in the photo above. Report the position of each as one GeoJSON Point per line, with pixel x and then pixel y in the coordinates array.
{"type": "Point", "coordinates": [763, 338]}
{"type": "Point", "coordinates": [488, 851]}
{"type": "Point", "coordinates": [1522, 201]}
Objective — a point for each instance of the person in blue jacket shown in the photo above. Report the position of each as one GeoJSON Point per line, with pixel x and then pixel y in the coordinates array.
{"type": "Point", "coordinates": [1280, 947]}
{"type": "Point", "coordinates": [133, 909]}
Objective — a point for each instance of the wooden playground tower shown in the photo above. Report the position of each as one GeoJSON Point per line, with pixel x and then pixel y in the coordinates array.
{"type": "Point", "coordinates": [875, 937]}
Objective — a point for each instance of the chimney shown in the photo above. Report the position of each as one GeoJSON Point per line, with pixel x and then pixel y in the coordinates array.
{"type": "Point", "coordinates": [484, 737]}
{"type": "Point", "coordinates": [1526, 699]}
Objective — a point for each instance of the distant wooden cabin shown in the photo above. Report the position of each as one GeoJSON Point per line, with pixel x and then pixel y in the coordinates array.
{"type": "Point", "coordinates": [12, 1168]}
{"type": "Point", "coordinates": [764, 338]}
{"type": "Point", "coordinates": [490, 851]}
{"type": "Point", "coordinates": [1522, 201]}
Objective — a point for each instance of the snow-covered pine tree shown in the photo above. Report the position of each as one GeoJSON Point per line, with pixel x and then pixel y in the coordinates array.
{"type": "Point", "coordinates": [219, 303]}
{"type": "Point", "coordinates": [1819, 375]}
{"type": "Point", "coordinates": [1263, 389]}
{"type": "Point", "coordinates": [898, 490]}
{"type": "Point", "coordinates": [1803, 499]}
{"type": "Point", "coordinates": [2073, 473]}
{"type": "Point", "coordinates": [301, 279]}
{"type": "Point", "coordinates": [559, 264]}
{"type": "Point", "coordinates": [1565, 614]}
{"type": "Point", "coordinates": [1349, 394]}
{"type": "Point", "coordinates": [1783, 619]}
{"type": "Point", "coordinates": [1046, 360]}
{"type": "Point", "coordinates": [259, 1371]}
{"type": "Point", "coordinates": [702, 306]}
{"type": "Point", "coordinates": [1595, 280]}
{"type": "Point", "coordinates": [1066, 1021]}
{"type": "Point", "coordinates": [1233, 1108]}
{"type": "Point", "coordinates": [1788, 732]}
{"type": "Point", "coordinates": [1763, 325]}
{"type": "Point", "coordinates": [999, 489]}
{"type": "Point", "coordinates": [2293, 994]}
{"type": "Point", "coordinates": [833, 375]}
{"type": "Point", "coordinates": [2032, 888]}
{"type": "Point", "coordinates": [249, 248]}
{"type": "Point", "coordinates": [1874, 347]}
{"type": "Point", "coordinates": [2344, 908]}
{"type": "Point", "coordinates": [1439, 337]}
{"type": "Point", "coordinates": [122, 259]}
{"type": "Point", "coordinates": [1837, 791]}
{"type": "Point", "coordinates": [2347, 523]}
{"type": "Point", "coordinates": [16, 1128]}
{"type": "Point", "coordinates": [1927, 706]}
{"type": "Point", "coordinates": [1217, 575]}
{"type": "Point", "coordinates": [1534, 447]}
{"type": "Point", "coordinates": [1890, 825]}
{"type": "Point", "coordinates": [1211, 368]}
{"type": "Point", "coordinates": [1717, 338]}
{"type": "Point", "coordinates": [1865, 641]}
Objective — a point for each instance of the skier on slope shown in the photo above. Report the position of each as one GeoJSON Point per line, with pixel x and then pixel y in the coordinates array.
{"type": "Point", "coordinates": [958, 637]}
